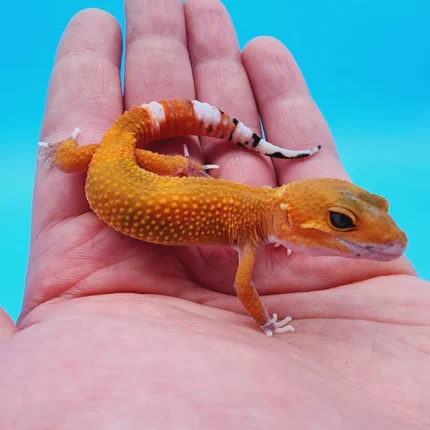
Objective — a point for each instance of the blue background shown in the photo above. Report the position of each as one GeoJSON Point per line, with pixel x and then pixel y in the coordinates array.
{"type": "Point", "coordinates": [366, 62]}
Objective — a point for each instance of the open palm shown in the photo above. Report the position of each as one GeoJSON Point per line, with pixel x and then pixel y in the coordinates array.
{"type": "Point", "coordinates": [153, 336]}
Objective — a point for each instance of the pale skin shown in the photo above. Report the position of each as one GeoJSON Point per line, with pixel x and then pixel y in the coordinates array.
{"type": "Point", "coordinates": [114, 330]}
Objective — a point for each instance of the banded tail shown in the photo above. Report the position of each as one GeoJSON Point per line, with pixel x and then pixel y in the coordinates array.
{"type": "Point", "coordinates": [176, 118]}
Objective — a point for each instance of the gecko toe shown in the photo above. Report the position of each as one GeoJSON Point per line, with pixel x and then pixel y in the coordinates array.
{"type": "Point", "coordinates": [275, 326]}
{"type": "Point", "coordinates": [186, 152]}
{"type": "Point", "coordinates": [282, 326]}
{"type": "Point", "coordinates": [284, 329]}
{"type": "Point", "coordinates": [283, 322]}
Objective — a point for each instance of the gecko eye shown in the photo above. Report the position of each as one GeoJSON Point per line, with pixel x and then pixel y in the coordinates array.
{"type": "Point", "coordinates": [341, 221]}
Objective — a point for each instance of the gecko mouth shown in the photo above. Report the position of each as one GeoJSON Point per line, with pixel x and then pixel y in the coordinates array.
{"type": "Point", "coordinates": [376, 252]}
{"type": "Point", "coordinates": [387, 252]}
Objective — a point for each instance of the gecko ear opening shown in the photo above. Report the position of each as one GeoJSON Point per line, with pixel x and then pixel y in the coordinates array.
{"type": "Point", "coordinates": [284, 207]}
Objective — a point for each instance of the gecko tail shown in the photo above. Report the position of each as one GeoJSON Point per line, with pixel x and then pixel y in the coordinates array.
{"type": "Point", "coordinates": [216, 123]}
{"type": "Point", "coordinates": [174, 118]}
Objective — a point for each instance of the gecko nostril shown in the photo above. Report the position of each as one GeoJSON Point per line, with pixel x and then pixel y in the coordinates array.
{"type": "Point", "coordinates": [394, 243]}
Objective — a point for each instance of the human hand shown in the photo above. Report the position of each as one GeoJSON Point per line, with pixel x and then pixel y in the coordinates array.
{"type": "Point", "coordinates": [113, 329]}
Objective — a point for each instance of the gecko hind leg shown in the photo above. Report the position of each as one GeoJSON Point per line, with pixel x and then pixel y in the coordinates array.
{"type": "Point", "coordinates": [171, 165]}
{"type": "Point", "coordinates": [67, 156]}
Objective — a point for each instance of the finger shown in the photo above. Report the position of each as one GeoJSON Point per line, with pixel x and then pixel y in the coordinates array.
{"type": "Point", "coordinates": [290, 117]}
{"type": "Point", "coordinates": [221, 79]}
{"type": "Point", "coordinates": [85, 92]}
{"type": "Point", "coordinates": [157, 61]}
{"type": "Point", "coordinates": [7, 326]}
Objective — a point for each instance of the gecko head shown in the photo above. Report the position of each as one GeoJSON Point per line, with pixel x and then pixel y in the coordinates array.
{"type": "Point", "coordinates": [335, 217]}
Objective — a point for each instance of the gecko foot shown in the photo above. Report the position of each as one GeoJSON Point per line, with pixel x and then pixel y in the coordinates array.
{"type": "Point", "coordinates": [49, 153]}
{"type": "Point", "coordinates": [275, 326]}
{"type": "Point", "coordinates": [278, 244]}
{"type": "Point", "coordinates": [196, 169]}
{"type": "Point", "coordinates": [53, 148]}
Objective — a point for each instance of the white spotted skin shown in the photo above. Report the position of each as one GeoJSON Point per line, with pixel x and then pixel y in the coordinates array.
{"type": "Point", "coordinates": [267, 148]}
{"type": "Point", "coordinates": [211, 115]}
{"type": "Point", "coordinates": [156, 112]}
{"type": "Point", "coordinates": [208, 114]}
{"type": "Point", "coordinates": [242, 133]}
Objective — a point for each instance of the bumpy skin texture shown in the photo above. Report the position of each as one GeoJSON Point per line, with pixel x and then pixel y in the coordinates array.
{"type": "Point", "coordinates": [127, 189]}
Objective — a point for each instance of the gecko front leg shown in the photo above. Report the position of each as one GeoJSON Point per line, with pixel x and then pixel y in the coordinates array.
{"type": "Point", "coordinates": [249, 297]}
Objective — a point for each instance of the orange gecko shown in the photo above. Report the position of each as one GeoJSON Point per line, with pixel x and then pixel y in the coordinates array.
{"type": "Point", "coordinates": [171, 200]}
